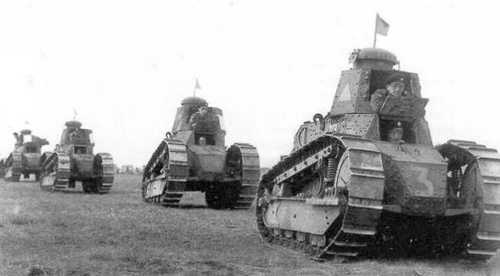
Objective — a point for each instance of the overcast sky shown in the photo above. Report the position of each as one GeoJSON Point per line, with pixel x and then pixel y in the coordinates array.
{"type": "Point", "coordinates": [125, 66]}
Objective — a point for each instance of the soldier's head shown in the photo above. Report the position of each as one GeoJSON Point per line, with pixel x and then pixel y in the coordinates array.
{"type": "Point", "coordinates": [203, 110]}
{"type": "Point", "coordinates": [396, 133]}
{"type": "Point", "coordinates": [202, 141]}
{"type": "Point", "coordinates": [395, 85]}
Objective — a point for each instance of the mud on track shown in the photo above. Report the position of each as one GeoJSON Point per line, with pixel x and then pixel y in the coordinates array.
{"type": "Point", "coordinates": [118, 234]}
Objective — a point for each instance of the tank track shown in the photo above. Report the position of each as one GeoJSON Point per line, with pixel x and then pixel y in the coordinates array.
{"type": "Point", "coordinates": [14, 167]}
{"type": "Point", "coordinates": [105, 182]}
{"type": "Point", "coordinates": [55, 172]}
{"type": "Point", "coordinates": [486, 240]}
{"type": "Point", "coordinates": [250, 174]}
{"type": "Point", "coordinates": [2, 168]}
{"type": "Point", "coordinates": [355, 228]}
{"type": "Point", "coordinates": [175, 153]}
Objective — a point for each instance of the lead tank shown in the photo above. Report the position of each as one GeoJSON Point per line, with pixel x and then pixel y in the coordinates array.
{"type": "Point", "coordinates": [192, 165]}
{"type": "Point", "coordinates": [73, 161]}
{"type": "Point", "coordinates": [366, 179]}
{"type": "Point", "coordinates": [25, 159]}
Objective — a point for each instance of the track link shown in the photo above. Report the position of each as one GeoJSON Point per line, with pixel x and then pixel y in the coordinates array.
{"type": "Point", "coordinates": [14, 166]}
{"type": "Point", "coordinates": [250, 174]}
{"type": "Point", "coordinates": [168, 166]}
{"type": "Point", "coordinates": [108, 172]}
{"type": "Point", "coordinates": [55, 172]}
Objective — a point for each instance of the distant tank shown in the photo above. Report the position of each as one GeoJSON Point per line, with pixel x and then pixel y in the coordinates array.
{"type": "Point", "coordinates": [25, 159]}
{"type": "Point", "coordinates": [193, 159]}
{"type": "Point", "coordinates": [74, 161]}
{"type": "Point", "coordinates": [365, 179]}
{"type": "Point", "coordinates": [2, 168]}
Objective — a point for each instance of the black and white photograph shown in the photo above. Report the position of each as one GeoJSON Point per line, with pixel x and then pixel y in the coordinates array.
{"type": "Point", "coordinates": [249, 137]}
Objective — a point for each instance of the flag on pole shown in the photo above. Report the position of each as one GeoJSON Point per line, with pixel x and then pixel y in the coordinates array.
{"type": "Point", "coordinates": [381, 27]}
{"type": "Point", "coordinates": [197, 84]}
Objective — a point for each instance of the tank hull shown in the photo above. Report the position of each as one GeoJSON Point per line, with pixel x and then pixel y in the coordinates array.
{"type": "Point", "coordinates": [62, 172]}
{"type": "Point", "coordinates": [346, 196]}
{"type": "Point", "coordinates": [20, 166]}
{"type": "Point", "coordinates": [181, 175]}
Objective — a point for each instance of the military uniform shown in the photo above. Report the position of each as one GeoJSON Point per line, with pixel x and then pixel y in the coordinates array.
{"type": "Point", "coordinates": [396, 134]}
{"type": "Point", "coordinates": [195, 118]}
{"type": "Point", "coordinates": [378, 97]}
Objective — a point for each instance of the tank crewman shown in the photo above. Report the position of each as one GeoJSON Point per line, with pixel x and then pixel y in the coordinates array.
{"type": "Point", "coordinates": [202, 112]}
{"type": "Point", "coordinates": [19, 139]}
{"type": "Point", "coordinates": [203, 141]}
{"type": "Point", "coordinates": [73, 134]}
{"type": "Point", "coordinates": [394, 86]}
{"type": "Point", "coordinates": [395, 135]}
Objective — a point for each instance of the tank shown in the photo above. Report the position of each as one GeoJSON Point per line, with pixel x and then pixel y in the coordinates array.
{"type": "Point", "coordinates": [24, 160]}
{"type": "Point", "coordinates": [366, 180]}
{"type": "Point", "coordinates": [192, 165]}
{"type": "Point", "coordinates": [73, 161]}
{"type": "Point", "coordinates": [2, 168]}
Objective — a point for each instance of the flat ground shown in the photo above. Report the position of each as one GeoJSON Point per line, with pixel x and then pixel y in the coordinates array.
{"type": "Point", "coordinates": [45, 233]}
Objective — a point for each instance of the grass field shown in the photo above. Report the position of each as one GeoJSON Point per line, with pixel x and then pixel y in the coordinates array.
{"type": "Point", "coordinates": [45, 233]}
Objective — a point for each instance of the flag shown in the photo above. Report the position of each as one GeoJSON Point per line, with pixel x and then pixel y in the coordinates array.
{"type": "Point", "coordinates": [197, 84]}
{"type": "Point", "coordinates": [381, 27]}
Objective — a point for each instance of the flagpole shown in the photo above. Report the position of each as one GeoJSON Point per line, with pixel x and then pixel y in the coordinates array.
{"type": "Point", "coordinates": [194, 89]}
{"type": "Point", "coordinates": [375, 33]}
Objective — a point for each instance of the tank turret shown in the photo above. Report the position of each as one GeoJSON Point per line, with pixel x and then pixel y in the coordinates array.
{"type": "Point", "coordinates": [25, 132]}
{"type": "Point", "coordinates": [194, 101]}
{"type": "Point", "coordinates": [73, 124]}
{"type": "Point", "coordinates": [364, 107]}
{"type": "Point", "coordinates": [74, 134]}
{"type": "Point", "coordinates": [195, 120]}
{"type": "Point", "coordinates": [373, 58]}
{"type": "Point", "coordinates": [366, 177]}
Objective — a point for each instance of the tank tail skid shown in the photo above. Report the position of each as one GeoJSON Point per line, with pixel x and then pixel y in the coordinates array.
{"type": "Point", "coordinates": [486, 239]}
{"type": "Point", "coordinates": [357, 213]}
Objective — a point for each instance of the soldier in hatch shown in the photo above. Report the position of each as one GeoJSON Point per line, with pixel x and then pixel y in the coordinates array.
{"type": "Point", "coordinates": [395, 135]}
{"type": "Point", "coordinates": [19, 139]}
{"type": "Point", "coordinates": [202, 111]}
{"type": "Point", "coordinates": [395, 86]}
